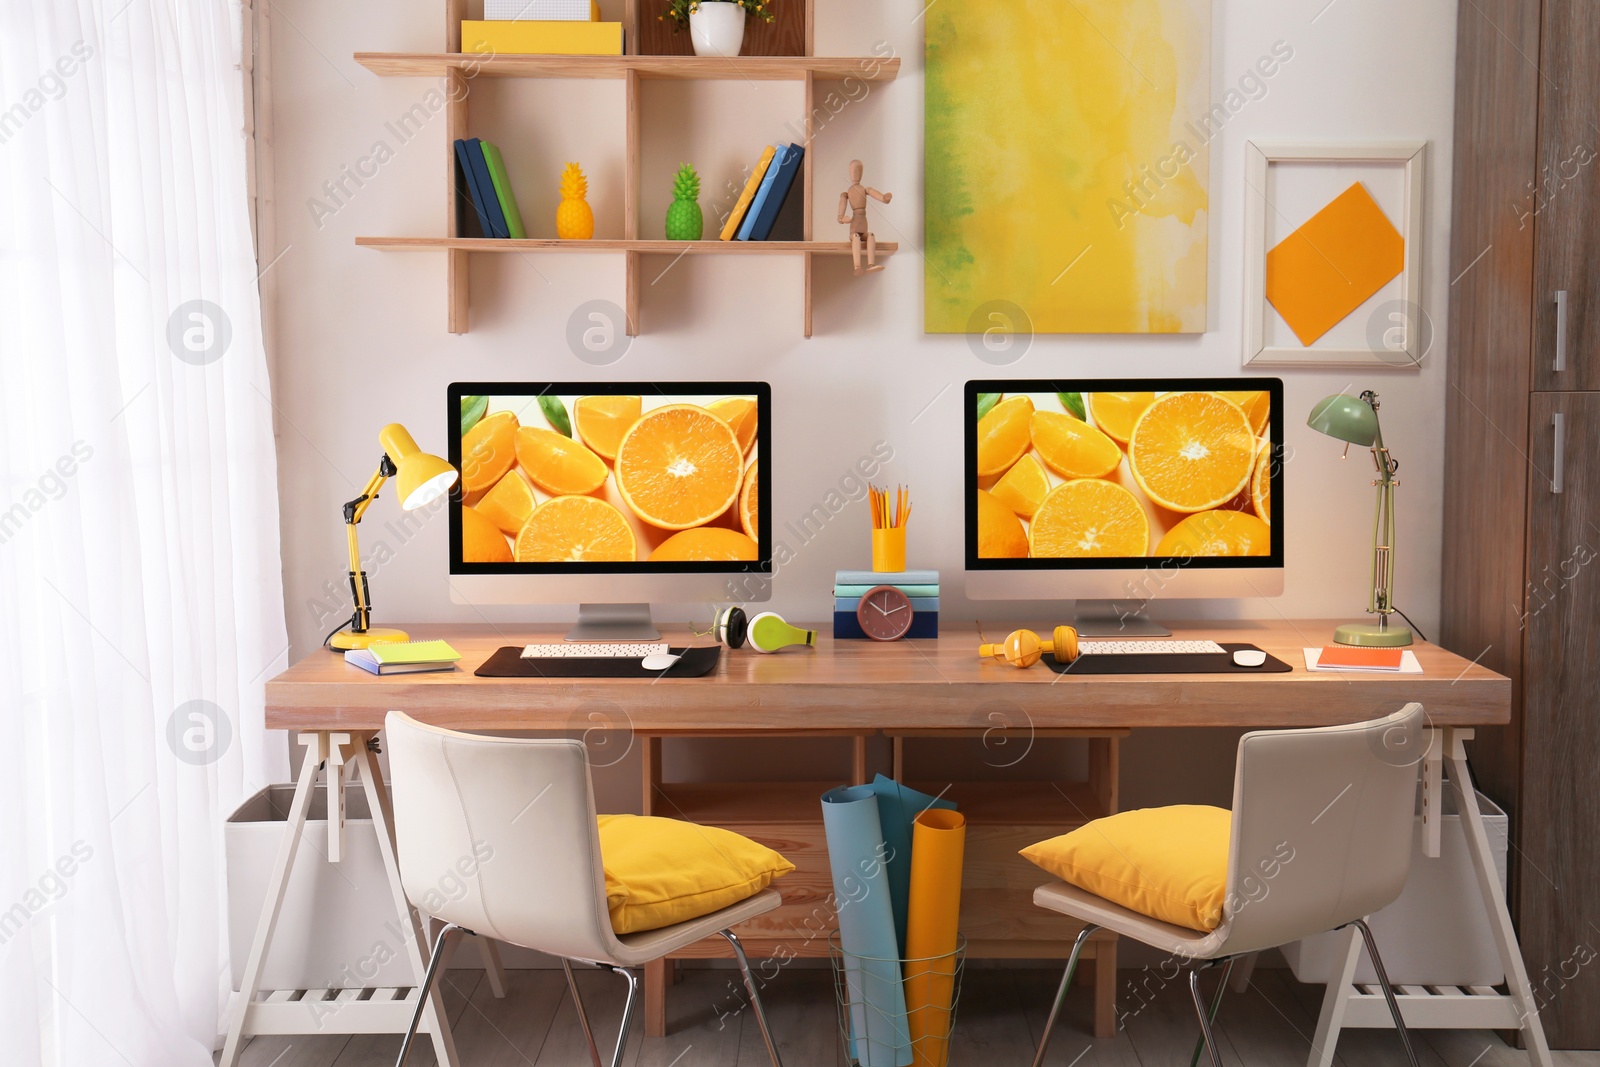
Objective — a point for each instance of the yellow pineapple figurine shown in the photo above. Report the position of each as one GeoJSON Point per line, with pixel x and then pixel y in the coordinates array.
{"type": "Point", "coordinates": [574, 218]}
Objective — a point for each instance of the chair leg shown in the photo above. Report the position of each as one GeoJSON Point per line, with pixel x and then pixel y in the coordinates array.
{"type": "Point", "coordinates": [755, 997]}
{"type": "Point", "coordinates": [583, 1016]}
{"type": "Point", "coordinates": [1388, 990]}
{"type": "Point", "coordinates": [422, 991]}
{"type": "Point", "coordinates": [632, 978]}
{"type": "Point", "coordinates": [1207, 1037]}
{"type": "Point", "coordinates": [1216, 1004]}
{"type": "Point", "coordinates": [1061, 991]}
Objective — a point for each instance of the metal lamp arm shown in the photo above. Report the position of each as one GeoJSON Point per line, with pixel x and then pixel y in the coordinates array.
{"type": "Point", "coordinates": [361, 621]}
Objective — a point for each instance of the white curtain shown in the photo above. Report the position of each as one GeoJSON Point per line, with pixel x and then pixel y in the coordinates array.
{"type": "Point", "coordinates": [141, 608]}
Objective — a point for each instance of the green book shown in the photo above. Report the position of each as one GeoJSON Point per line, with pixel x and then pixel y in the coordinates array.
{"type": "Point", "coordinates": [413, 652]}
{"type": "Point", "coordinates": [502, 191]}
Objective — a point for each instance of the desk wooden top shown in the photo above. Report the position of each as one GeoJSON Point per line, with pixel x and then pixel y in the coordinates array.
{"type": "Point", "coordinates": [864, 685]}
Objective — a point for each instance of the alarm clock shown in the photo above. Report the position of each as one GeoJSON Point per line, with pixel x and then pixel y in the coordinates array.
{"type": "Point", "coordinates": [884, 613]}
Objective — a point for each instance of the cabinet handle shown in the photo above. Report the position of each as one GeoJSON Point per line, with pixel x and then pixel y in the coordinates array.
{"type": "Point", "coordinates": [1558, 476]}
{"type": "Point", "coordinates": [1561, 330]}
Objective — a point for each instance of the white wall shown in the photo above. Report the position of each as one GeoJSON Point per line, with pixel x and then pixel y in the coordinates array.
{"type": "Point", "coordinates": [361, 338]}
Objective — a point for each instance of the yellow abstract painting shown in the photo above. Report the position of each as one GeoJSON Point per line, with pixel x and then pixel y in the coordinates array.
{"type": "Point", "coordinates": [1065, 166]}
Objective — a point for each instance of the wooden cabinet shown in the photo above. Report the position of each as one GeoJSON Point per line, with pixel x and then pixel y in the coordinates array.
{"type": "Point", "coordinates": [1521, 574]}
{"type": "Point", "coordinates": [1563, 200]}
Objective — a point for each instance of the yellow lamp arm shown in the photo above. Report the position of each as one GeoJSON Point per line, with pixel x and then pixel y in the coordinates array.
{"type": "Point", "coordinates": [353, 511]}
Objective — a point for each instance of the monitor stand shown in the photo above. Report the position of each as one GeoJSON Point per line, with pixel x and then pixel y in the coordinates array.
{"type": "Point", "coordinates": [613, 622]}
{"type": "Point", "coordinates": [1115, 618]}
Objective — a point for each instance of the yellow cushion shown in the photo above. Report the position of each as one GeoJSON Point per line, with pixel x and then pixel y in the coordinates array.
{"type": "Point", "coordinates": [664, 871]}
{"type": "Point", "coordinates": [1168, 863]}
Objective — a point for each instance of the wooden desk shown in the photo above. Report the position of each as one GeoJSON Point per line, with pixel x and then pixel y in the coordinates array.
{"type": "Point", "coordinates": [857, 689]}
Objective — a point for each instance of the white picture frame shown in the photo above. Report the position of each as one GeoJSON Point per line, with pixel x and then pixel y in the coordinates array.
{"type": "Point", "coordinates": [1410, 157]}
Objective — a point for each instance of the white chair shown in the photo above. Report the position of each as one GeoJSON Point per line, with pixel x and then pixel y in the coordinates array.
{"type": "Point", "coordinates": [497, 837]}
{"type": "Point", "coordinates": [1342, 798]}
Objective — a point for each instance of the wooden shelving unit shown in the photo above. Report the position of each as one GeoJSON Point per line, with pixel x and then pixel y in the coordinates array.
{"type": "Point", "coordinates": [793, 30]}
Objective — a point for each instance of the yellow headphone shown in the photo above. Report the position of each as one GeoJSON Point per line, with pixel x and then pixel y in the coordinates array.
{"type": "Point", "coordinates": [1023, 647]}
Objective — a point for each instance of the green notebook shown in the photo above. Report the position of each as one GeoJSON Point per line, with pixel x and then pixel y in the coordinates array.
{"type": "Point", "coordinates": [502, 190]}
{"type": "Point", "coordinates": [413, 652]}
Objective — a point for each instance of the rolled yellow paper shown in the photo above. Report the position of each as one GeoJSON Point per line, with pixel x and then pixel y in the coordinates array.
{"type": "Point", "coordinates": [938, 843]}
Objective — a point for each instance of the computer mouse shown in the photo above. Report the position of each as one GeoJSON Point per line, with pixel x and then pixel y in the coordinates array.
{"type": "Point", "coordinates": [1249, 657]}
{"type": "Point", "coordinates": [660, 661]}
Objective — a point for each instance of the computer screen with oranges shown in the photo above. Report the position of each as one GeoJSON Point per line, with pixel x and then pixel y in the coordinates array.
{"type": "Point", "coordinates": [1098, 473]}
{"type": "Point", "coordinates": [560, 477]}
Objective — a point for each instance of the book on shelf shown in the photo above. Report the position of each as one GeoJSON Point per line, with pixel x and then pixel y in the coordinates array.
{"type": "Point", "coordinates": [766, 212]}
{"type": "Point", "coordinates": [763, 191]}
{"type": "Point", "coordinates": [468, 195]}
{"type": "Point", "coordinates": [541, 38]}
{"type": "Point", "coordinates": [730, 229]}
{"type": "Point", "coordinates": [502, 191]}
{"type": "Point", "coordinates": [790, 225]}
{"type": "Point", "coordinates": [541, 10]}
{"type": "Point", "coordinates": [484, 187]}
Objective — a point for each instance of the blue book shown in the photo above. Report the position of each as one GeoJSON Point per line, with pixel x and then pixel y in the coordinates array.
{"type": "Point", "coordinates": [858, 591]}
{"type": "Point", "coordinates": [746, 228]}
{"type": "Point", "coordinates": [846, 627]}
{"type": "Point", "coordinates": [918, 603]}
{"type": "Point", "coordinates": [468, 186]}
{"type": "Point", "coordinates": [490, 203]}
{"type": "Point", "coordinates": [767, 212]}
{"type": "Point", "coordinates": [870, 578]}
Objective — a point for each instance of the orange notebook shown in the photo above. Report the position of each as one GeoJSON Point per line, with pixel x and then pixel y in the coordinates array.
{"type": "Point", "coordinates": [736, 216]}
{"type": "Point", "coordinates": [1371, 659]}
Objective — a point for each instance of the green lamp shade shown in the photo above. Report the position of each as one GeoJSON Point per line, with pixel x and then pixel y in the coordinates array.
{"type": "Point", "coordinates": [422, 478]}
{"type": "Point", "coordinates": [1347, 418]}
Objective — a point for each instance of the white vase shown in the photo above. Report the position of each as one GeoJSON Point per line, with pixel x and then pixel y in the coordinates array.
{"type": "Point", "coordinates": [717, 27]}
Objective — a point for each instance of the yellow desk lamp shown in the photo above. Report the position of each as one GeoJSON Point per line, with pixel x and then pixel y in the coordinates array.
{"type": "Point", "coordinates": [422, 479]}
{"type": "Point", "coordinates": [1354, 420]}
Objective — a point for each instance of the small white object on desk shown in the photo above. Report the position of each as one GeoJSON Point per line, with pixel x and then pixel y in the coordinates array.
{"type": "Point", "coordinates": [1408, 664]}
{"type": "Point", "coordinates": [659, 661]}
{"type": "Point", "coordinates": [1249, 657]}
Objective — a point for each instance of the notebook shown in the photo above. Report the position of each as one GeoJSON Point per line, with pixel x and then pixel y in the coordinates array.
{"type": "Point", "coordinates": [763, 191]}
{"type": "Point", "coordinates": [404, 657]}
{"type": "Point", "coordinates": [730, 229]}
{"type": "Point", "coordinates": [1348, 658]}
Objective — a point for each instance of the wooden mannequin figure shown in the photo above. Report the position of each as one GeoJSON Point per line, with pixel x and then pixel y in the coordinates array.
{"type": "Point", "coordinates": [855, 198]}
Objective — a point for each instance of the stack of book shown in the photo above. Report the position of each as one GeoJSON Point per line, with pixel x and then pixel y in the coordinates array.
{"type": "Point", "coordinates": [922, 587]}
{"type": "Point", "coordinates": [482, 183]}
{"type": "Point", "coordinates": [541, 27]}
{"type": "Point", "coordinates": [765, 210]}
{"type": "Point", "coordinates": [404, 657]}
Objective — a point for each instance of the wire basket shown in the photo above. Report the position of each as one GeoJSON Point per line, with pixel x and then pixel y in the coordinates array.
{"type": "Point", "coordinates": [876, 1026]}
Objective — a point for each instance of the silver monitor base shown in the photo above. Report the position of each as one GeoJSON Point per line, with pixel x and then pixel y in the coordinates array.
{"type": "Point", "coordinates": [613, 622]}
{"type": "Point", "coordinates": [1115, 618]}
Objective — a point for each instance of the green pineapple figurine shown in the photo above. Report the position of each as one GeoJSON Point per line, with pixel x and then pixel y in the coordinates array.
{"type": "Point", "coordinates": [684, 220]}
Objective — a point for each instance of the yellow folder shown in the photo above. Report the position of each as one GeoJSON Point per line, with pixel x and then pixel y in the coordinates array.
{"type": "Point", "coordinates": [542, 38]}
{"type": "Point", "coordinates": [731, 227]}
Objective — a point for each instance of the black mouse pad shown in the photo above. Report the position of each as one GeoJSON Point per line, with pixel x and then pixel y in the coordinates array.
{"type": "Point", "coordinates": [1168, 663]}
{"type": "Point", "coordinates": [507, 662]}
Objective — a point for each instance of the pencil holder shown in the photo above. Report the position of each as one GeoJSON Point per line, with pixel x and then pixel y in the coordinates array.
{"type": "Point", "coordinates": [889, 550]}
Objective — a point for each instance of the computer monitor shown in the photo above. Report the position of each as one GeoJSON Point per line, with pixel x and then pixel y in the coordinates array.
{"type": "Point", "coordinates": [1117, 492]}
{"type": "Point", "coordinates": [610, 495]}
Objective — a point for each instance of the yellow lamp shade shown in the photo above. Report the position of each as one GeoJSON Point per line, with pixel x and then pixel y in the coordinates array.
{"type": "Point", "coordinates": [421, 477]}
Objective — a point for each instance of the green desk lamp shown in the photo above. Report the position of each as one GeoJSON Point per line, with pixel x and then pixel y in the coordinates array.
{"type": "Point", "coordinates": [422, 479]}
{"type": "Point", "coordinates": [1354, 420]}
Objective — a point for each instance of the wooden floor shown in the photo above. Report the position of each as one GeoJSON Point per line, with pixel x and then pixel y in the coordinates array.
{"type": "Point", "coordinates": [999, 1016]}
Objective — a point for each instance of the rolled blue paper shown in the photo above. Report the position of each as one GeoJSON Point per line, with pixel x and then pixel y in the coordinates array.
{"type": "Point", "coordinates": [898, 808]}
{"type": "Point", "coordinates": [880, 1036]}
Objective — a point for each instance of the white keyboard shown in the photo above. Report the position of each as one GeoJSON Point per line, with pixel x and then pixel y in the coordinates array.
{"type": "Point", "coordinates": [593, 649]}
{"type": "Point", "coordinates": [1141, 648]}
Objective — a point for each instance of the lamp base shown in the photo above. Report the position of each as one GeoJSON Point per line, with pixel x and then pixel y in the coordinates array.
{"type": "Point", "coordinates": [1371, 635]}
{"type": "Point", "coordinates": [344, 640]}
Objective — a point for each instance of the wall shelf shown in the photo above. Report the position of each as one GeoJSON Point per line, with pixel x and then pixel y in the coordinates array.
{"type": "Point", "coordinates": [790, 38]}
{"type": "Point", "coordinates": [668, 68]}
{"type": "Point", "coordinates": [649, 248]}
